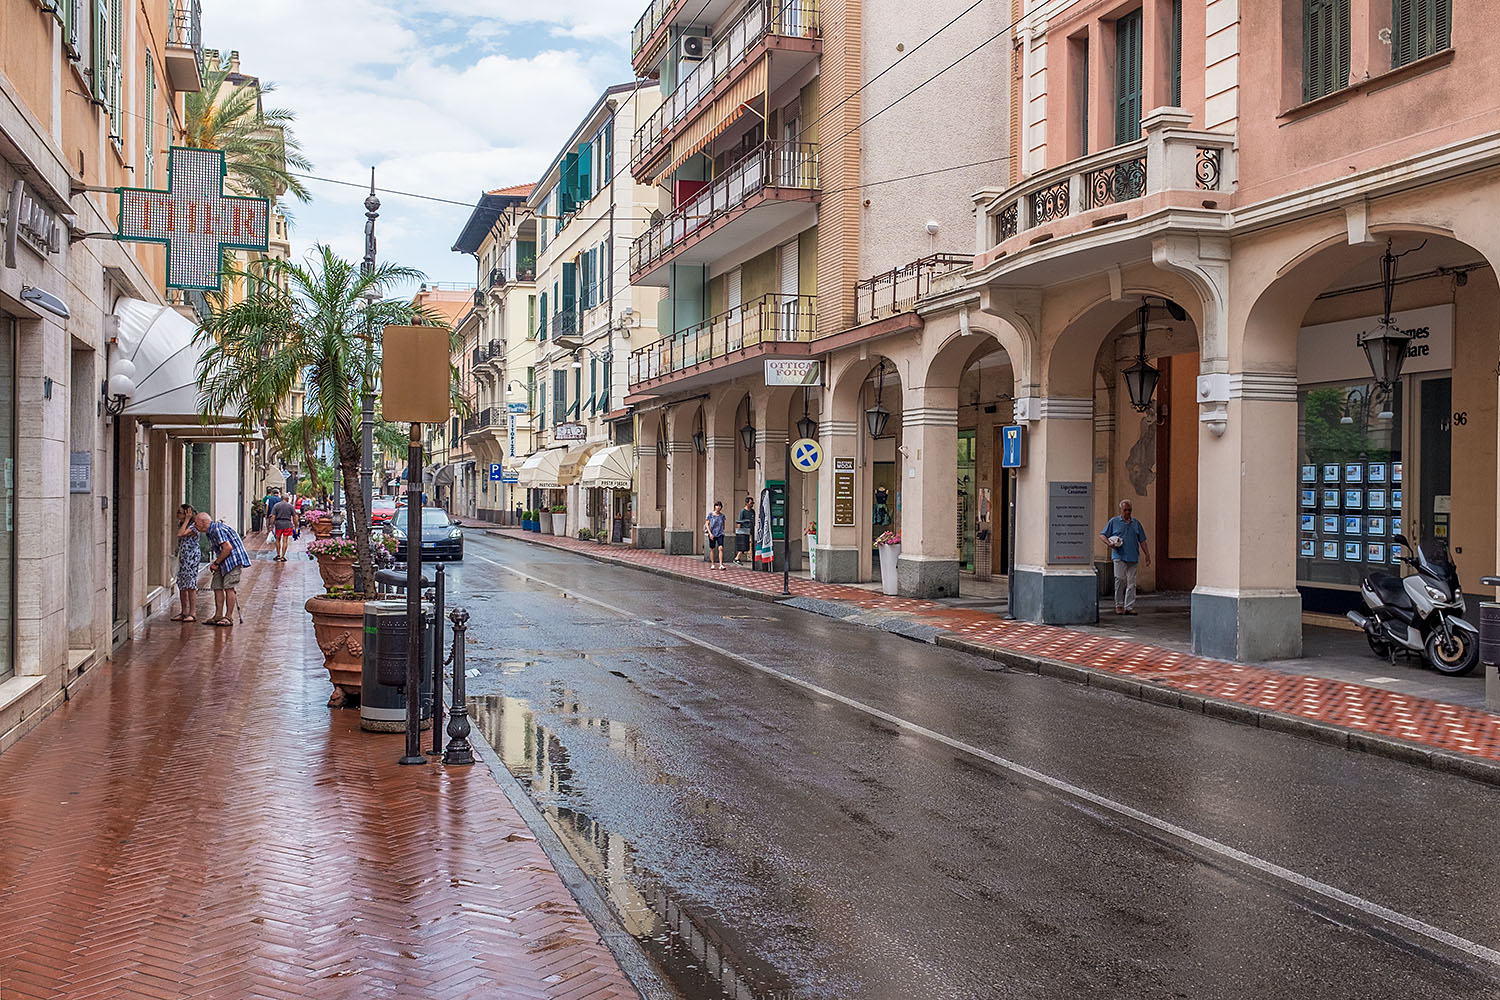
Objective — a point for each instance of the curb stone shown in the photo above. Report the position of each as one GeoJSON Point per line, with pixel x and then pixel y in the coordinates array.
{"type": "Point", "coordinates": [1374, 744]}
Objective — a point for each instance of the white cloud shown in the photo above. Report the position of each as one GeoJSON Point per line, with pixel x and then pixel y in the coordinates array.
{"type": "Point", "coordinates": [386, 84]}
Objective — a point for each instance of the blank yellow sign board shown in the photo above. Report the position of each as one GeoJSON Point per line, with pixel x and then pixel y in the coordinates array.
{"type": "Point", "coordinates": [415, 374]}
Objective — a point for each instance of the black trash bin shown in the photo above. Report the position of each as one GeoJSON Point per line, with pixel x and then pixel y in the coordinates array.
{"type": "Point", "coordinates": [382, 703]}
{"type": "Point", "coordinates": [1489, 649]}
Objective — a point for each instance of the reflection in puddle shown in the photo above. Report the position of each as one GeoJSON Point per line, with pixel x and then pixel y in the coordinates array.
{"type": "Point", "coordinates": [694, 956]}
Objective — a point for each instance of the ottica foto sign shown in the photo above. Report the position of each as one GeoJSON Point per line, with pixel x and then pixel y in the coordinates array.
{"type": "Point", "coordinates": [193, 218]}
{"type": "Point", "coordinates": [793, 371]}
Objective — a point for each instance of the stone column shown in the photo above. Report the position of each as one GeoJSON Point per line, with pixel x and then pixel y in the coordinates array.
{"type": "Point", "coordinates": [928, 566]}
{"type": "Point", "coordinates": [1246, 605]}
{"type": "Point", "coordinates": [838, 545]}
{"type": "Point", "coordinates": [1060, 450]}
{"type": "Point", "coordinates": [646, 523]}
{"type": "Point", "coordinates": [770, 461]}
{"type": "Point", "coordinates": [683, 515]}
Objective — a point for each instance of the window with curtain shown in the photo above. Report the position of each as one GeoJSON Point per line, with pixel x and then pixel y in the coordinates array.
{"type": "Point", "coordinates": [1325, 47]}
{"type": "Point", "coordinates": [1419, 28]}
{"type": "Point", "coordinates": [1128, 56]}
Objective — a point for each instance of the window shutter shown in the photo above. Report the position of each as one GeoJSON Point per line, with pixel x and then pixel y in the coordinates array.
{"type": "Point", "coordinates": [570, 195]}
{"type": "Point", "coordinates": [593, 386]}
{"type": "Point", "coordinates": [1419, 28]}
{"type": "Point", "coordinates": [1325, 47]}
{"type": "Point", "coordinates": [569, 301]}
{"type": "Point", "coordinates": [577, 408]}
{"type": "Point", "coordinates": [116, 68]}
{"type": "Point", "coordinates": [149, 143]}
{"type": "Point", "coordinates": [604, 393]}
{"type": "Point", "coordinates": [1177, 53]}
{"type": "Point", "coordinates": [99, 71]}
{"type": "Point", "coordinates": [541, 328]}
{"type": "Point", "coordinates": [559, 396]}
{"type": "Point", "coordinates": [1128, 78]}
{"type": "Point", "coordinates": [583, 174]}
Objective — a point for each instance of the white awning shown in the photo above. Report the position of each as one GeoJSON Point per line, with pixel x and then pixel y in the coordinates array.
{"type": "Point", "coordinates": [610, 469]}
{"type": "Point", "coordinates": [159, 373]}
{"type": "Point", "coordinates": [540, 471]}
{"type": "Point", "coordinates": [445, 475]}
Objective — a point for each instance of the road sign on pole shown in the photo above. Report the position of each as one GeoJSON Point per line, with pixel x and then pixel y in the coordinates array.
{"type": "Point", "coordinates": [807, 455]}
{"type": "Point", "coordinates": [494, 472]}
{"type": "Point", "coordinates": [1012, 446]}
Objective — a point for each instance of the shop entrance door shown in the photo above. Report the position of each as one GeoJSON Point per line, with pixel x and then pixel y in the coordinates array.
{"type": "Point", "coordinates": [966, 514]}
{"type": "Point", "coordinates": [1176, 538]}
{"type": "Point", "coordinates": [1428, 509]}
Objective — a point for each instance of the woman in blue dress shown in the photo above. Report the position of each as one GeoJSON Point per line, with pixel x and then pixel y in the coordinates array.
{"type": "Point", "coordinates": [189, 562]}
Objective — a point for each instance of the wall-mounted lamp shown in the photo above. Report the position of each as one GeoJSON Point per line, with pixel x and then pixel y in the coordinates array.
{"type": "Point", "coordinates": [747, 435]}
{"type": "Point", "coordinates": [877, 416]}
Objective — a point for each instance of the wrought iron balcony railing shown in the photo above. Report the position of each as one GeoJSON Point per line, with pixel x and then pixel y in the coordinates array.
{"type": "Point", "coordinates": [646, 26]}
{"type": "Point", "coordinates": [184, 49]}
{"type": "Point", "coordinates": [793, 18]}
{"type": "Point", "coordinates": [770, 319]}
{"type": "Point", "coordinates": [791, 165]}
{"type": "Point", "coordinates": [903, 288]}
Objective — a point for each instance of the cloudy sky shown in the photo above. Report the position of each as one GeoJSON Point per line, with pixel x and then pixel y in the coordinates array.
{"type": "Point", "coordinates": [443, 97]}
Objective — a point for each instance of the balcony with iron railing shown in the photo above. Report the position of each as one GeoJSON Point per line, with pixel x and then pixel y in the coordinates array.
{"type": "Point", "coordinates": [770, 325]}
{"type": "Point", "coordinates": [490, 416]}
{"type": "Point", "coordinates": [774, 186]}
{"type": "Point", "coordinates": [183, 53]}
{"type": "Point", "coordinates": [788, 26]}
{"type": "Point", "coordinates": [902, 289]}
{"type": "Point", "coordinates": [1171, 166]}
{"type": "Point", "coordinates": [485, 353]}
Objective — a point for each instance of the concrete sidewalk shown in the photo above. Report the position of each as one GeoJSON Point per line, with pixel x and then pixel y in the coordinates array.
{"type": "Point", "coordinates": [1423, 731]}
{"type": "Point", "coordinates": [197, 823]}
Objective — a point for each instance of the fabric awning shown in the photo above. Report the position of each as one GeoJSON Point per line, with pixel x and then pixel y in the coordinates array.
{"type": "Point", "coordinates": [610, 468]}
{"type": "Point", "coordinates": [155, 358]}
{"type": "Point", "coordinates": [574, 461]}
{"type": "Point", "coordinates": [444, 476]}
{"type": "Point", "coordinates": [542, 470]}
{"type": "Point", "coordinates": [275, 478]}
{"type": "Point", "coordinates": [726, 109]}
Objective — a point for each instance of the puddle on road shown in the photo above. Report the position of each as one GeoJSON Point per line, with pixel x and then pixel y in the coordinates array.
{"type": "Point", "coordinates": [689, 949]}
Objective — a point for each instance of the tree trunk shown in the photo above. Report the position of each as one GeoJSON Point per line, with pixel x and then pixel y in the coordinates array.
{"type": "Point", "coordinates": [354, 499]}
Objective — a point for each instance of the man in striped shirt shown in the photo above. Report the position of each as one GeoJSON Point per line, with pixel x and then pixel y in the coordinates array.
{"type": "Point", "coordinates": [230, 557]}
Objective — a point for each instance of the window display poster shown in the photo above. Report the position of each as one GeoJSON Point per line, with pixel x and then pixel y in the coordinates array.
{"type": "Point", "coordinates": [1396, 553]}
{"type": "Point", "coordinates": [1396, 499]}
{"type": "Point", "coordinates": [1309, 473]}
{"type": "Point", "coordinates": [1309, 548]}
{"type": "Point", "coordinates": [1331, 473]}
{"type": "Point", "coordinates": [1331, 550]}
{"type": "Point", "coordinates": [1376, 472]}
{"type": "Point", "coordinates": [1309, 523]}
{"type": "Point", "coordinates": [1351, 524]}
{"type": "Point", "coordinates": [1354, 498]}
{"type": "Point", "coordinates": [1395, 472]}
{"type": "Point", "coordinates": [1352, 552]}
{"type": "Point", "coordinates": [1330, 498]}
{"type": "Point", "coordinates": [1375, 499]}
{"type": "Point", "coordinates": [1354, 473]}
{"type": "Point", "coordinates": [1309, 498]}
{"type": "Point", "coordinates": [1375, 552]}
{"type": "Point", "coordinates": [1375, 526]}
{"type": "Point", "coordinates": [1330, 524]}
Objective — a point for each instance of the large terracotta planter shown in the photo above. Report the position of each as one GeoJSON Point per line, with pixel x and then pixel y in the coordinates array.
{"type": "Point", "coordinates": [339, 626]}
{"type": "Point", "coordinates": [323, 528]}
{"type": "Point", "coordinates": [337, 571]}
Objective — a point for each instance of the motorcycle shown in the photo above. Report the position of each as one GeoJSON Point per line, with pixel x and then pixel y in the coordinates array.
{"type": "Point", "coordinates": [1421, 614]}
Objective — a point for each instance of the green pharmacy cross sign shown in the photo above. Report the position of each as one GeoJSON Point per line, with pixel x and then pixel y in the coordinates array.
{"type": "Point", "coordinates": [193, 218]}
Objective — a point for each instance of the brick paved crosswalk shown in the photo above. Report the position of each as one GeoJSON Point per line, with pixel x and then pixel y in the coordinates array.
{"type": "Point", "coordinates": [1356, 707]}
{"type": "Point", "coordinates": [198, 824]}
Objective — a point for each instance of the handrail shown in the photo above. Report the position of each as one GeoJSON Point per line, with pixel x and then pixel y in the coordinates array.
{"type": "Point", "coordinates": [773, 164]}
{"type": "Point", "coordinates": [647, 24]}
{"type": "Point", "coordinates": [904, 287]}
{"type": "Point", "coordinates": [794, 18]}
{"type": "Point", "coordinates": [772, 318]}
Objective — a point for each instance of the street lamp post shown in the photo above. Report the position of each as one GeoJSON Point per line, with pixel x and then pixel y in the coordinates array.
{"type": "Point", "coordinates": [367, 407]}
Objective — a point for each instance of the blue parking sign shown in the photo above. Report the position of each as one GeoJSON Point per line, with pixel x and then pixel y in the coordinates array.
{"type": "Point", "coordinates": [494, 472]}
{"type": "Point", "coordinates": [1012, 446]}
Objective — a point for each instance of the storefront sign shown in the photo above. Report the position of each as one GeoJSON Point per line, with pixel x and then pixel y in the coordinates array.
{"type": "Point", "coordinates": [194, 218]}
{"type": "Point", "coordinates": [843, 492]}
{"type": "Point", "coordinates": [793, 371]}
{"type": "Point", "coordinates": [570, 432]}
{"type": "Point", "coordinates": [1330, 352]}
{"type": "Point", "coordinates": [517, 408]}
{"type": "Point", "coordinates": [1070, 532]}
{"type": "Point", "coordinates": [510, 477]}
{"type": "Point", "coordinates": [80, 472]}
{"type": "Point", "coordinates": [28, 221]}
{"type": "Point", "coordinates": [512, 435]}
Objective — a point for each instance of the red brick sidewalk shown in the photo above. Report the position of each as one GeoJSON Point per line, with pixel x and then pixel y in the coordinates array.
{"type": "Point", "coordinates": [1417, 722]}
{"type": "Point", "coordinates": [198, 824]}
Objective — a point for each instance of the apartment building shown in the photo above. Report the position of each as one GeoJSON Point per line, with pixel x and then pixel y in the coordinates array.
{"type": "Point", "coordinates": [443, 469]}
{"type": "Point", "coordinates": [588, 211]}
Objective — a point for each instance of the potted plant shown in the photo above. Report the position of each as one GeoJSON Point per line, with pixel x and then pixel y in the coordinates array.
{"type": "Point", "coordinates": [258, 517]}
{"type": "Point", "coordinates": [335, 558]}
{"type": "Point", "coordinates": [544, 520]}
{"type": "Point", "coordinates": [316, 323]}
{"type": "Point", "coordinates": [560, 519]}
{"type": "Point", "coordinates": [320, 521]}
{"type": "Point", "coordinates": [889, 547]}
{"type": "Point", "coordinates": [585, 535]}
{"type": "Point", "coordinates": [529, 521]}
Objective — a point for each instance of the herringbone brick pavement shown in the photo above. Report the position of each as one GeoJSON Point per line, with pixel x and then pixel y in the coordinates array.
{"type": "Point", "coordinates": [199, 824]}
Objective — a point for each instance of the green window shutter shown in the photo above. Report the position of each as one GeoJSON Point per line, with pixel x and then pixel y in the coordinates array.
{"type": "Point", "coordinates": [531, 387]}
{"type": "Point", "coordinates": [541, 329]}
{"type": "Point", "coordinates": [149, 140]}
{"type": "Point", "coordinates": [1176, 54]}
{"type": "Point", "coordinates": [1419, 28]}
{"type": "Point", "coordinates": [593, 385]}
{"type": "Point", "coordinates": [559, 397]}
{"type": "Point", "coordinates": [1325, 47]}
{"type": "Point", "coordinates": [584, 172]}
{"type": "Point", "coordinates": [570, 194]}
{"type": "Point", "coordinates": [608, 158]}
{"type": "Point", "coordinates": [99, 44]}
{"type": "Point", "coordinates": [604, 392]}
{"type": "Point", "coordinates": [569, 286]}
{"type": "Point", "coordinates": [531, 315]}
{"type": "Point", "coordinates": [1128, 78]}
{"type": "Point", "coordinates": [577, 407]}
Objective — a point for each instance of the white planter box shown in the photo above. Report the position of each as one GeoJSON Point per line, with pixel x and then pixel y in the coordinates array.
{"type": "Point", "coordinates": [888, 556]}
{"type": "Point", "coordinates": [544, 522]}
{"type": "Point", "coordinates": [560, 525]}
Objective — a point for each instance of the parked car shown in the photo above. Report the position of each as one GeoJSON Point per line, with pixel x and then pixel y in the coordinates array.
{"type": "Point", "coordinates": [382, 509]}
{"type": "Point", "coordinates": [442, 537]}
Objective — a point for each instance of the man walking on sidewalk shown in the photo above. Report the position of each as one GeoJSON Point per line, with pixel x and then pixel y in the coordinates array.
{"type": "Point", "coordinates": [713, 526]}
{"type": "Point", "coordinates": [283, 519]}
{"type": "Point", "coordinates": [744, 530]}
{"type": "Point", "coordinates": [229, 559]}
{"type": "Point", "coordinates": [1126, 538]}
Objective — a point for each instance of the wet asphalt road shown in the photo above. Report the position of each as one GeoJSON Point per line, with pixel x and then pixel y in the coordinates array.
{"type": "Point", "coordinates": [883, 838]}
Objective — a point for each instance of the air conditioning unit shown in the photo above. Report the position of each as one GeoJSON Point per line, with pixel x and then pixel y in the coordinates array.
{"type": "Point", "coordinates": [692, 47]}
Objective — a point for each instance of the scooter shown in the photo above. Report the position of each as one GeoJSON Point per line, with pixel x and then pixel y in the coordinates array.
{"type": "Point", "coordinates": [1421, 614]}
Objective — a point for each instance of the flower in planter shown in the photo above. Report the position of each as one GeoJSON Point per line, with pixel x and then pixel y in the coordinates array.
{"type": "Point", "coordinates": [889, 538]}
{"type": "Point", "coordinates": [331, 548]}
{"type": "Point", "coordinates": [812, 528]}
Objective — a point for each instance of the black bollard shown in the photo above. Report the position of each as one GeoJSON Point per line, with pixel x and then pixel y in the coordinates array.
{"type": "Point", "coordinates": [459, 751]}
{"type": "Point", "coordinates": [439, 597]}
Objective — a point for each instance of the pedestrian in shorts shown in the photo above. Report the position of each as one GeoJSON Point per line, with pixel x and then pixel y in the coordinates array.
{"type": "Point", "coordinates": [713, 526]}
{"type": "Point", "coordinates": [229, 559]}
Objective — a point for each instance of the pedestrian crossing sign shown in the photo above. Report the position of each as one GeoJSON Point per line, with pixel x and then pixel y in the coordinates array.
{"type": "Point", "coordinates": [806, 455]}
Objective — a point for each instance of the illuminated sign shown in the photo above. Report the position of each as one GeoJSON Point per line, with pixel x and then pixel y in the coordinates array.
{"type": "Point", "coordinates": [193, 218]}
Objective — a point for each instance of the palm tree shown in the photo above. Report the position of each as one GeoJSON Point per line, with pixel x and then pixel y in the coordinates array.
{"type": "Point", "coordinates": [326, 327]}
{"type": "Point", "coordinates": [260, 151]}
